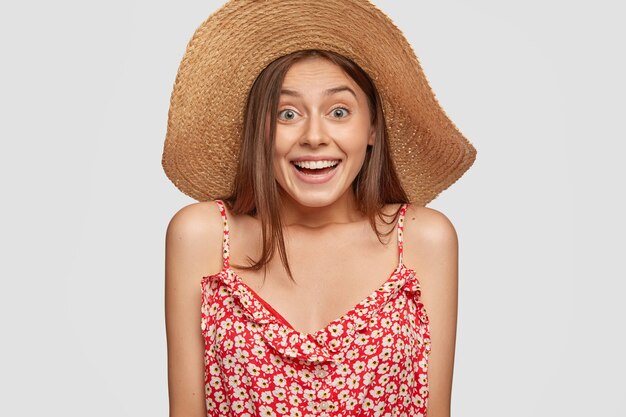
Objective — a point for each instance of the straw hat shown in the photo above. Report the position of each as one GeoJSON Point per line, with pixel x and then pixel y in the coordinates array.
{"type": "Point", "coordinates": [229, 50]}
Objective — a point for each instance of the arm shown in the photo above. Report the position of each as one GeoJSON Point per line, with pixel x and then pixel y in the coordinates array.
{"type": "Point", "coordinates": [432, 248]}
{"type": "Point", "coordinates": [192, 250]}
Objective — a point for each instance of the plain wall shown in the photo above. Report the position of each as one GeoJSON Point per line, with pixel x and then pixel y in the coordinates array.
{"type": "Point", "coordinates": [536, 86]}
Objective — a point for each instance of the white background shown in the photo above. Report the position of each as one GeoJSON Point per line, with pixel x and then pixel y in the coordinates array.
{"type": "Point", "coordinates": [537, 87]}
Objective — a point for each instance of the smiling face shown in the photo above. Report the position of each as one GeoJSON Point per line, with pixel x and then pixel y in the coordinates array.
{"type": "Point", "coordinates": [323, 128]}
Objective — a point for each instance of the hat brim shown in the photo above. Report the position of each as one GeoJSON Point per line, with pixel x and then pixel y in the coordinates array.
{"type": "Point", "coordinates": [230, 49]}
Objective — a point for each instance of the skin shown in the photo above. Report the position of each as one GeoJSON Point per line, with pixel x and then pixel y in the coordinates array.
{"type": "Point", "coordinates": [334, 254]}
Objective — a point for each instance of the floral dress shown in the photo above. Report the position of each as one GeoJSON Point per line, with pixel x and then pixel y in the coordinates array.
{"type": "Point", "coordinates": [372, 361]}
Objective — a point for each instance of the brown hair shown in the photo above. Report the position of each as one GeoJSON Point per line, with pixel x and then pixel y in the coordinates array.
{"type": "Point", "coordinates": [255, 190]}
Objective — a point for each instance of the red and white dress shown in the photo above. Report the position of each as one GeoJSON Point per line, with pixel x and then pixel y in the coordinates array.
{"type": "Point", "coordinates": [372, 361]}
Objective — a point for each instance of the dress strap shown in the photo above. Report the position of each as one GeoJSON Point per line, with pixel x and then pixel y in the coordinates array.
{"type": "Point", "coordinates": [401, 232]}
{"type": "Point", "coordinates": [225, 242]}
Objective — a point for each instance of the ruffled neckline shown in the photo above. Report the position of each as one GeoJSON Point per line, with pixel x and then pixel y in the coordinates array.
{"type": "Point", "coordinates": [321, 345]}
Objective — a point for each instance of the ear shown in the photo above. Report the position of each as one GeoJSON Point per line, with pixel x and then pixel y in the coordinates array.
{"type": "Point", "coordinates": [372, 137]}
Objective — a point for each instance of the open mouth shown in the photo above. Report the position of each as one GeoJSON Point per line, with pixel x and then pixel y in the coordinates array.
{"type": "Point", "coordinates": [316, 167]}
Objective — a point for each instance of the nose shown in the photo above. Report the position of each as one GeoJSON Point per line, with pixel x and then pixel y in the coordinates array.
{"type": "Point", "coordinates": [314, 133]}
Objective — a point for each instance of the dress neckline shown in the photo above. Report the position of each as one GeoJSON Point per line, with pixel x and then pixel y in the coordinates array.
{"type": "Point", "coordinates": [271, 311]}
{"type": "Point", "coordinates": [264, 312]}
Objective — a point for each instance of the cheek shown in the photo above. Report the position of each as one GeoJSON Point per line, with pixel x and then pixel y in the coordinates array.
{"type": "Point", "coordinates": [354, 140]}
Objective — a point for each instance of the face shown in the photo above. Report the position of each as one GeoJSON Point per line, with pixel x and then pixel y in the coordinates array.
{"type": "Point", "coordinates": [323, 128]}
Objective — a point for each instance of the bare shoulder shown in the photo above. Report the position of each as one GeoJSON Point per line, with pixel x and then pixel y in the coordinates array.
{"type": "Point", "coordinates": [192, 251]}
{"type": "Point", "coordinates": [430, 239]}
{"type": "Point", "coordinates": [194, 237]}
{"type": "Point", "coordinates": [428, 225]}
{"type": "Point", "coordinates": [431, 249]}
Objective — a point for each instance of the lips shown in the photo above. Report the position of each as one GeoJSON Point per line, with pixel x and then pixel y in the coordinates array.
{"type": "Point", "coordinates": [320, 167]}
{"type": "Point", "coordinates": [315, 172]}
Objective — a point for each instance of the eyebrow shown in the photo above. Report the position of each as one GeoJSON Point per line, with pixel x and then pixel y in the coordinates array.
{"type": "Point", "coordinates": [329, 92]}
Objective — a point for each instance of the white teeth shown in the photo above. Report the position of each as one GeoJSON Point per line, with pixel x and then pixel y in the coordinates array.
{"type": "Point", "coordinates": [316, 164]}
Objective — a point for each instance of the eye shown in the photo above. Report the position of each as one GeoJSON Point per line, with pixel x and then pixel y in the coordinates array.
{"type": "Point", "coordinates": [287, 114]}
{"type": "Point", "coordinates": [340, 112]}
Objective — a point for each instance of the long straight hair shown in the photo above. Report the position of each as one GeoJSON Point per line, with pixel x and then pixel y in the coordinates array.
{"type": "Point", "coordinates": [255, 191]}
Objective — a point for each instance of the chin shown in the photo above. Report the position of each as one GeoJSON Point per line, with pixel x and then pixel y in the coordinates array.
{"type": "Point", "coordinates": [312, 200]}
{"type": "Point", "coordinates": [316, 198]}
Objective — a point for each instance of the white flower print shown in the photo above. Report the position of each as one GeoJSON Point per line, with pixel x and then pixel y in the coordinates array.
{"type": "Point", "coordinates": [295, 413]}
{"type": "Point", "coordinates": [279, 393]}
{"type": "Point", "coordinates": [335, 329]}
{"type": "Point", "coordinates": [295, 388]}
{"type": "Point", "coordinates": [309, 394]}
{"type": "Point", "coordinates": [240, 393]}
{"type": "Point", "coordinates": [219, 396]}
{"type": "Point", "coordinates": [224, 408]}
{"type": "Point", "coordinates": [214, 369]}
{"type": "Point", "coordinates": [422, 379]}
{"type": "Point", "coordinates": [351, 404]}
{"type": "Point", "coordinates": [373, 361]}
{"type": "Point", "coordinates": [359, 366]}
{"type": "Point", "coordinates": [238, 407]}
{"type": "Point", "coordinates": [258, 351]}
{"type": "Point", "coordinates": [368, 404]}
{"type": "Point", "coordinates": [240, 341]}
{"type": "Point", "coordinates": [377, 391]}
{"type": "Point", "coordinates": [353, 381]}
{"type": "Point", "coordinates": [262, 383]}
{"type": "Point", "coordinates": [323, 394]}
{"type": "Point", "coordinates": [234, 380]}
{"type": "Point", "coordinates": [216, 383]}
{"type": "Point", "coordinates": [280, 380]}
{"type": "Point", "coordinates": [306, 375]}
{"type": "Point", "coordinates": [383, 380]}
{"type": "Point", "coordinates": [265, 411]}
{"type": "Point", "coordinates": [368, 378]}
{"type": "Point", "coordinates": [307, 347]}
{"type": "Point", "coordinates": [352, 354]}
{"type": "Point", "coordinates": [383, 368]}
{"type": "Point", "coordinates": [361, 339]}
{"type": "Point", "coordinates": [339, 383]}
{"type": "Point", "coordinates": [334, 343]}
{"type": "Point", "coordinates": [295, 400]}
{"type": "Point", "coordinates": [391, 387]}
{"type": "Point", "coordinates": [276, 360]}
{"type": "Point", "coordinates": [370, 349]}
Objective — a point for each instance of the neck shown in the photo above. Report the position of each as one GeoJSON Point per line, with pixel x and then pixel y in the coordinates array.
{"type": "Point", "coordinates": [343, 210]}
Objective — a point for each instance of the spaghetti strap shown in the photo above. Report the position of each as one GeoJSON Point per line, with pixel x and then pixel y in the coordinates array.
{"type": "Point", "coordinates": [401, 233]}
{"type": "Point", "coordinates": [225, 241]}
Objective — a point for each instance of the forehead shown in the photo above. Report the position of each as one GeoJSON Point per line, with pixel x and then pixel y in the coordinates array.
{"type": "Point", "coordinates": [316, 72]}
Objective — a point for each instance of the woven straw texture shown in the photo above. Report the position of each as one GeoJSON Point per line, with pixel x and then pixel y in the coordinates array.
{"type": "Point", "coordinates": [231, 47]}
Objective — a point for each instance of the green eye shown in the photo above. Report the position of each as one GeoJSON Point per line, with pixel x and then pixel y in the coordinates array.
{"type": "Point", "coordinates": [287, 114]}
{"type": "Point", "coordinates": [340, 112]}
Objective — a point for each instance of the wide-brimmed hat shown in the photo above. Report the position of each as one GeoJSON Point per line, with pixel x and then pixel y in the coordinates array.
{"type": "Point", "coordinates": [233, 45]}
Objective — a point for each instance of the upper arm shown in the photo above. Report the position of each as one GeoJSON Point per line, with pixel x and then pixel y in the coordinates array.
{"type": "Point", "coordinates": [431, 249]}
{"type": "Point", "coordinates": [192, 251]}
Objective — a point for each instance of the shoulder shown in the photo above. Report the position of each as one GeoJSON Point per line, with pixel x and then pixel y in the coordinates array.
{"type": "Point", "coordinates": [430, 238]}
{"type": "Point", "coordinates": [194, 235]}
{"type": "Point", "coordinates": [428, 225]}
{"type": "Point", "coordinates": [195, 221]}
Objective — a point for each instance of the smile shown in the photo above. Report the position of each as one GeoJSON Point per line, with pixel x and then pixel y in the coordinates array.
{"type": "Point", "coordinates": [315, 172]}
{"type": "Point", "coordinates": [315, 165]}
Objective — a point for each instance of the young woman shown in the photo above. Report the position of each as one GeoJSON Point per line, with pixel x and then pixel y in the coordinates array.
{"type": "Point", "coordinates": [310, 278]}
